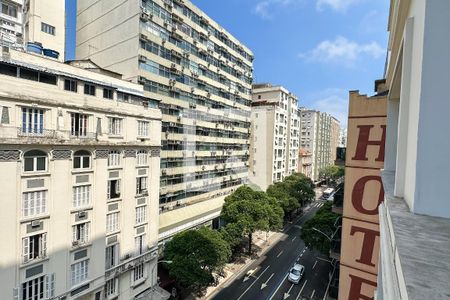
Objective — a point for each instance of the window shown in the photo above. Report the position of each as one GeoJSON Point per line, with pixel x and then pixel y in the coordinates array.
{"type": "Point", "coordinates": [115, 126]}
{"type": "Point", "coordinates": [79, 272]}
{"type": "Point", "coordinates": [112, 222]}
{"type": "Point", "coordinates": [143, 127]}
{"type": "Point", "coordinates": [140, 244]}
{"type": "Point", "coordinates": [111, 287]}
{"type": "Point", "coordinates": [89, 89]}
{"type": "Point", "coordinates": [34, 203]}
{"type": "Point", "coordinates": [82, 159]}
{"type": "Point", "coordinates": [80, 233]}
{"type": "Point", "coordinates": [70, 85]}
{"type": "Point", "coordinates": [114, 158]}
{"type": "Point", "coordinates": [122, 97]}
{"type": "Point", "coordinates": [39, 288]}
{"type": "Point", "coordinates": [79, 124]}
{"type": "Point", "coordinates": [112, 256]}
{"type": "Point", "coordinates": [141, 214]}
{"type": "Point", "coordinates": [142, 158]}
{"type": "Point", "coordinates": [141, 185]}
{"type": "Point", "coordinates": [108, 93]}
{"type": "Point", "coordinates": [9, 9]}
{"type": "Point", "coordinates": [81, 196]}
{"type": "Point", "coordinates": [47, 28]}
{"type": "Point", "coordinates": [113, 189]}
{"type": "Point", "coordinates": [34, 247]}
{"type": "Point", "coordinates": [32, 121]}
{"type": "Point", "coordinates": [35, 161]}
{"type": "Point", "coordinates": [138, 272]}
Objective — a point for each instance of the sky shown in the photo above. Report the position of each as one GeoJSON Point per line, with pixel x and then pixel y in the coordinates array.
{"type": "Point", "coordinates": [317, 49]}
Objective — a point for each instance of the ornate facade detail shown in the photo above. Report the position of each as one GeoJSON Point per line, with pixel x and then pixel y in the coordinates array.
{"type": "Point", "coordinates": [129, 153]}
{"type": "Point", "coordinates": [101, 153]}
{"type": "Point", "coordinates": [9, 155]}
{"type": "Point", "coordinates": [61, 154]}
{"type": "Point", "coordinates": [156, 152]}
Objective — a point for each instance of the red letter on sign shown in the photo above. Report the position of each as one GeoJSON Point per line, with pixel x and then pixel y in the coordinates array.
{"type": "Point", "coordinates": [355, 288]}
{"type": "Point", "coordinates": [363, 142]}
{"type": "Point", "coordinates": [358, 193]}
{"type": "Point", "coordinates": [368, 244]}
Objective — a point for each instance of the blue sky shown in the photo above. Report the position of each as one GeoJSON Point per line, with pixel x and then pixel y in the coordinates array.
{"type": "Point", "coordinates": [318, 49]}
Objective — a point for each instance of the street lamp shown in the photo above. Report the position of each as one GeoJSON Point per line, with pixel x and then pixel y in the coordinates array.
{"type": "Point", "coordinates": [319, 231]}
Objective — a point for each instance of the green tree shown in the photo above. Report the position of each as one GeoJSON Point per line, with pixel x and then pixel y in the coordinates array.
{"type": "Point", "coordinates": [281, 191]}
{"type": "Point", "coordinates": [195, 255]}
{"type": "Point", "coordinates": [250, 211]}
{"type": "Point", "coordinates": [332, 172]}
{"type": "Point", "coordinates": [301, 187]}
{"type": "Point", "coordinates": [324, 221]}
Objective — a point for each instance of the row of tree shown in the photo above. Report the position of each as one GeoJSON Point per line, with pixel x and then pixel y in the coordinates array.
{"type": "Point", "coordinates": [196, 255]}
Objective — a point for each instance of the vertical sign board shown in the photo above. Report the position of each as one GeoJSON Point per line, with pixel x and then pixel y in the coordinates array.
{"type": "Point", "coordinates": [363, 194]}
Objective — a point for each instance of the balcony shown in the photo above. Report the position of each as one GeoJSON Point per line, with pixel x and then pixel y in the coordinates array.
{"type": "Point", "coordinates": [43, 136]}
{"type": "Point", "coordinates": [36, 133]}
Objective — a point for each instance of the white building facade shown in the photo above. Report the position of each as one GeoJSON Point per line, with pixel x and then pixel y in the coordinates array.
{"type": "Point", "coordinates": [80, 168]}
{"type": "Point", "coordinates": [274, 144]}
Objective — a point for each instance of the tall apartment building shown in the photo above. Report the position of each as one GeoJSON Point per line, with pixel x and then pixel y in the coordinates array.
{"type": "Point", "coordinates": [80, 173]}
{"type": "Point", "coordinates": [35, 21]}
{"type": "Point", "coordinates": [201, 74]}
{"type": "Point", "coordinates": [275, 131]}
{"type": "Point", "coordinates": [319, 136]}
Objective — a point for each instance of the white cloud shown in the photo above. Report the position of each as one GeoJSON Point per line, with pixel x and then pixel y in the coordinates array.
{"type": "Point", "coordinates": [337, 5]}
{"type": "Point", "coordinates": [334, 102]}
{"type": "Point", "coordinates": [342, 51]}
{"type": "Point", "coordinates": [264, 8]}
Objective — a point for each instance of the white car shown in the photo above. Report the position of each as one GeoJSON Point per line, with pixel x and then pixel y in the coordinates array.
{"type": "Point", "coordinates": [296, 273]}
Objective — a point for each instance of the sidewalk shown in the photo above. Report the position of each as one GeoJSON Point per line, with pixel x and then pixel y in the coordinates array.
{"type": "Point", "coordinates": [234, 270]}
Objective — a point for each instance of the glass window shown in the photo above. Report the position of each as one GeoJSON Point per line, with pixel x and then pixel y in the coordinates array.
{"type": "Point", "coordinates": [141, 214]}
{"type": "Point", "coordinates": [112, 222]}
{"type": "Point", "coordinates": [142, 158]}
{"type": "Point", "coordinates": [9, 9]}
{"type": "Point", "coordinates": [82, 159]}
{"type": "Point", "coordinates": [141, 185]}
{"type": "Point", "coordinates": [47, 28]}
{"type": "Point", "coordinates": [108, 93]}
{"type": "Point", "coordinates": [138, 272]}
{"type": "Point", "coordinates": [34, 247]}
{"type": "Point", "coordinates": [143, 128]}
{"type": "Point", "coordinates": [89, 89]}
{"type": "Point", "coordinates": [114, 158]}
{"type": "Point", "coordinates": [70, 85]}
{"type": "Point", "coordinates": [115, 126]}
{"type": "Point", "coordinates": [81, 196]}
{"type": "Point", "coordinates": [35, 161]}
{"type": "Point", "coordinates": [32, 121]}
{"type": "Point", "coordinates": [34, 203]}
{"type": "Point", "coordinates": [79, 272]}
{"type": "Point", "coordinates": [34, 289]}
{"type": "Point", "coordinates": [78, 125]}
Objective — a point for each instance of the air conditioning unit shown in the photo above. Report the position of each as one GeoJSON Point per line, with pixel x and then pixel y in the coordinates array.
{"type": "Point", "coordinates": [81, 214]}
{"type": "Point", "coordinates": [35, 224]}
{"type": "Point", "coordinates": [126, 256]}
{"type": "Point", "coordinates": [142, 58]}
{"type": "Point", "coordinates": [75, 243]}
{"type": "Point", "coordinates": [173, 66]}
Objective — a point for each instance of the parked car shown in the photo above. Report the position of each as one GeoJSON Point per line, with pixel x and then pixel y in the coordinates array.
{"type": "Point", "coordinates": [296, 273]}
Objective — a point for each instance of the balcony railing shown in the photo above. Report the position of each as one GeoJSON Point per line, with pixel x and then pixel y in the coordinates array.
{"type": "Point", "coordinates": [48, 133]}
{"type": "Point", "coordinates": [35, 132]}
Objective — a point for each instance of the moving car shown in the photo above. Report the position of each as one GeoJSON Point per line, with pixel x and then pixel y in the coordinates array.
{"type": "Point", "coordinates": [296, 273]}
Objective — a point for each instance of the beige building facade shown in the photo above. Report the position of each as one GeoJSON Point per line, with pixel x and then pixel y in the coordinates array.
{"type": "Point", "coordinates": [305, 162]}
{"type": "Point", "coordinates": [275, 135]}
{"type": "Point", "coordinates": [35, 21]}
{"type": "Point", "coordinates": [201, 74]}
{"type": "Point", "coordinates": [80, 168]}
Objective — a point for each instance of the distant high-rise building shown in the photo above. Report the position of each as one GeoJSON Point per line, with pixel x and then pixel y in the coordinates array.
{"type": "Point", "coordinates": [343, 138]}
{"type": "Point", "coordinates": [275, 135]}
{"type": "Point", "coordinates": [319, 136]}
{"type": "Point", "coordinates": [202, 77]}
{"type": "Point", "coordinates": [40, 22]}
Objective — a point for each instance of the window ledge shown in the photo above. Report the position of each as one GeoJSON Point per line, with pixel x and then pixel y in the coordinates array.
{"type": "Point", "coordinates": [35, 174]}
{"type": "Point", "coordinates": [82, 171]}
{"type": "Point", "coordinates": [35, 218]}
{"type": "Point", "coordinates": [113, 200]}
{"type": "Point", "coordinates": [113, 232]}
{"type": "Point", "coordinates": [34, 262]}
{"type": "Point", "coordinates": [137, 283]}
{"type": "Point", "coordinates": [141, 224]}
{"type": "Point", "coordinates": [80, 209]}
{"type": "Point", "coordinates": [80, 246]}
{"type": "Point", "coordinates": [116, 136]}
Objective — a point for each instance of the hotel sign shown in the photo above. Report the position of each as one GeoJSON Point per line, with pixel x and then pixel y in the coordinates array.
{"type": "Point", "coordinates": [363, 194]}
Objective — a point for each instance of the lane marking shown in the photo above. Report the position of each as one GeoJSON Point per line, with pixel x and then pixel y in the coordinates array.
{"type": "Point", "coordinates": [253, 283]}
{"type": "Point", "coordinates": [286, 295]}
{"type": "Point", "coordinates": [294, 238]}
{"type": "Point", "coordinates": [279, 253]}
{"type": "Point", "coordinates": [281, 283]}
{"type": "Point", "coordinates": [315, 264]}
{"type": "Point", "coordinates": [301, 290]}
{"type": "Point", "coordinates": [312, 295]}
{"type": "Point", "coordinates": [267, 281]}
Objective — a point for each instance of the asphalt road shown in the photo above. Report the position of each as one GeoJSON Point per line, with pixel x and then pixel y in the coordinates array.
{"type": "Point", "coordinates": [268, 279]}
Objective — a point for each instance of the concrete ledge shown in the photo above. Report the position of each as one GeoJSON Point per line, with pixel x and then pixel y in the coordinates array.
{"type": "Point", "coordinates": [420, 248]}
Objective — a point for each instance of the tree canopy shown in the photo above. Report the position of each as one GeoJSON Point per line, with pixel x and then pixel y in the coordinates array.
{"type": "Point", "coordinates": [332, 172]}
{"type": "Point", "coordinates": [324, 220]}
{"type": "Point", "coordinates": [250, 211]}
{"type": "Point", "coordinates": [195, 255]}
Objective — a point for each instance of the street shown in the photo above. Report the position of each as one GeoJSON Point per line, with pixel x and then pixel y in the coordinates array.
{"type": "Point", "coordinates": [266, 278]}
